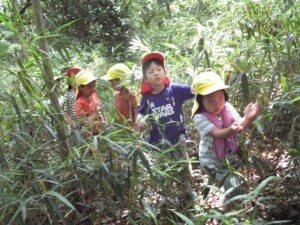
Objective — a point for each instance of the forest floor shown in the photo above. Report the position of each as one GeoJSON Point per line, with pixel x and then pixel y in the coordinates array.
{"type": "Point", "coordinates": [280, 200]}
{"type": "Point", "coordinates": [277, 203]}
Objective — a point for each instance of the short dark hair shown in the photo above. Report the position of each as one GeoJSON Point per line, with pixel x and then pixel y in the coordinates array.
{"type": "Point", "coordinates": [199, 99]}
{"type": "Point", "coordinates": [147, 64]}
{"type": "Point", "coordinates": [70, 87]}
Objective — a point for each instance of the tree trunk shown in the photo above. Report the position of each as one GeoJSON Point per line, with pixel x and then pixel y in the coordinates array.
{"type": "Point", "coordinates": [59, 123]}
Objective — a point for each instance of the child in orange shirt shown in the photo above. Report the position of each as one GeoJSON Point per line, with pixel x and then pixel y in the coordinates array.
{"type": "Point", "coordinates": [88, 104]}
{"type": "Point", "coordinates": [126, 103]}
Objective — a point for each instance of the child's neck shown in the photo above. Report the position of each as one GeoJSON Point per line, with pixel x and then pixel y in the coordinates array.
{"type": "Point", "coordinates": [158, 89]}
{"type": "Point", "coordinates": [124, 90]}
{"type": "Point", "coordinates": [86, 96]}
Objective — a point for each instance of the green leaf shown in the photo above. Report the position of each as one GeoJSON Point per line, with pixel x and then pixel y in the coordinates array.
{"type": "Point", "coordinates": [262, 185]}
{"type": "Point", "coordinates": [172, 46]}
{"type": "Point", "coordinates": [258, 125]}
{"type": "Point", "coordinates": [5, 178]}
{"type": "Point", "coordinates": [253, 193]}
{"type": "Point", "coordinates": [5, 20]}
{"type": "Point", "coordinates": [296, 99]}
{"type": "Point", "coordinates": [60, 197]}
{"type": "Point", "coordinates": [184, 218]}
{"type": "Point", "coordinates": [151, 211]}
{"type": "Point", "coordinates": [66, 25]}
{"type": "Point", "coordinates": [145, 162]}
{"type": "Point", "coordinates": [45, 36]}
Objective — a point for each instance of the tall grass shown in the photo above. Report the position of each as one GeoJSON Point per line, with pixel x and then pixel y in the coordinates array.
{"type": "Point", "coordinates": [253, 45]}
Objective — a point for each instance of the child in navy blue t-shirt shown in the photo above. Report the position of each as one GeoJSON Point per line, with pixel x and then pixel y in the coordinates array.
{"type": "Point", "coordinates": [164, 100]}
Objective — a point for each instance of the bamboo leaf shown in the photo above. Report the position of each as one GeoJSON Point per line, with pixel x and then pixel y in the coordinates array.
{"type": "Point", "coordinates": [5, 20]}
{"type": "Point", "coordinates": [278, 222]}
{"type": "Point", "coordinates": [66, 25]}
{"type": "Point", "coordinates": [115, 184]}
{"type": "Point", "coordinates": [253, 194]}
{"type": "Point", "coordinates": [60, 197]}
{"type": "Point", "coordinates": [145, 162]}
{"type": "Point", "coordinates": [134, 165]}
{"type": "Point", "coordinates": [6, 178]}
{"type": "Point", "coordinates": [207, 59]}
{"type": "Point", "coordinates": [151, 211]}
{"type": "Point", "coordinates": [296, 99]}
{"type": "Point", "coordinates": [258, 125]}
{"type": "Point", "coordinates": [262, 185]}
{"type": "Point", "coordinates": [115, 144]}
{"type": "Point", "coordinates": [47, 174]}
{"type": "Point", "coordinates": [198, 59]}
{"type": "Point", "coordinates": [172, 46]}
{"type": "Point", "coordinates": [44, 37]}
{"type": "Point", "coordinates": [184, 218]}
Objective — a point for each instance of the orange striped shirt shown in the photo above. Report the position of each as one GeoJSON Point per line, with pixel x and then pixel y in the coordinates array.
{"type": "Point", "coordinates": [126, 106]}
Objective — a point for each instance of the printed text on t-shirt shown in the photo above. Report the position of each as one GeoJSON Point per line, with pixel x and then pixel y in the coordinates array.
{"type": "Point", "coordinates": [163, 111]}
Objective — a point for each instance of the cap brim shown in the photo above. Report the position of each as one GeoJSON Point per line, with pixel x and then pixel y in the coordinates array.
{"type": "Point", "coordinates": [106, 77]}
{"type": "Point", "coordinates": [214, 89]}
{"type": "Point", "coordinates": [153, 55]}
{"type": "Point", "coordinates": [90, 80]}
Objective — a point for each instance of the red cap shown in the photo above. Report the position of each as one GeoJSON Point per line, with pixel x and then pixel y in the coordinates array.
{"type": "Point", "coordinates": [72, 70]}
{"type": "Point", "coordinates": [153, 55]}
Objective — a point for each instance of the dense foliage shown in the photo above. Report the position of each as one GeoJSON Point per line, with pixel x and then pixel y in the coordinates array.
{"type": "Point", "coordinates": [254, 45]}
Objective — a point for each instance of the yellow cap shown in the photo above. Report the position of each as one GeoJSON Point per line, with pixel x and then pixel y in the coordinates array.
{"type": "Point", "coordinates": [84, 77]}
{"type": "Point", "coordinates": [206, 83]}
{"type": "Point", "coordinates": [117, 71]}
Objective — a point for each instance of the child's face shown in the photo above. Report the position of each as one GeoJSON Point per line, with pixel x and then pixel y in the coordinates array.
{"type": "Point", "coordinates": [214, 102]}
{"type": "Point", "coordinates": [87, 89]}
{"type": "Point", "coordinates": [155, 75]}
{"type": "Point", "coordinates": [115, 83]}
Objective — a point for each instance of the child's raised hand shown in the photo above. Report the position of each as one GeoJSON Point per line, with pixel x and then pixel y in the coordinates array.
{"type": "Point", "coordinates": [252, 110]}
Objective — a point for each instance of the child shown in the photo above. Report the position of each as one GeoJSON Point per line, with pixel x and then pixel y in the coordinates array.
{"type": "Point", "coordinates": [88, 104]}
{"type": "Point", "coordinates": [165, 100]}
{"type": "Point", "coordinates": [218, 122]}
{"type": "Point", "coordinates": [70, 98]}
{"type": "Point", "coordinates": [125, 102]}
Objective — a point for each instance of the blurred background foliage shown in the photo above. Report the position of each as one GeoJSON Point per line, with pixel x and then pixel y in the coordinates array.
{"type": "Point", "coordinates": [253, 45]}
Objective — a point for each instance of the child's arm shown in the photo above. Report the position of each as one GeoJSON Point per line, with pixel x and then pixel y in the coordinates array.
{"type": "Point", "coordinates": [250, 112]}
{"type": "Point", "coordinates": [135, 113]}
{"type": "Point", "coordinates": [140, 124]}
{"type": "Point", "coordinates": [225, 132]}
{"type": "Point", "coordinates": [134, 107]}
{"type": "Point", "coordinates": [89, 125]}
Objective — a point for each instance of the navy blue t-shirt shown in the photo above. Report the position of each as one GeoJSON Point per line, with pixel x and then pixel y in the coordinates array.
{"type": "Point", "coordinates": [167, 107]}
